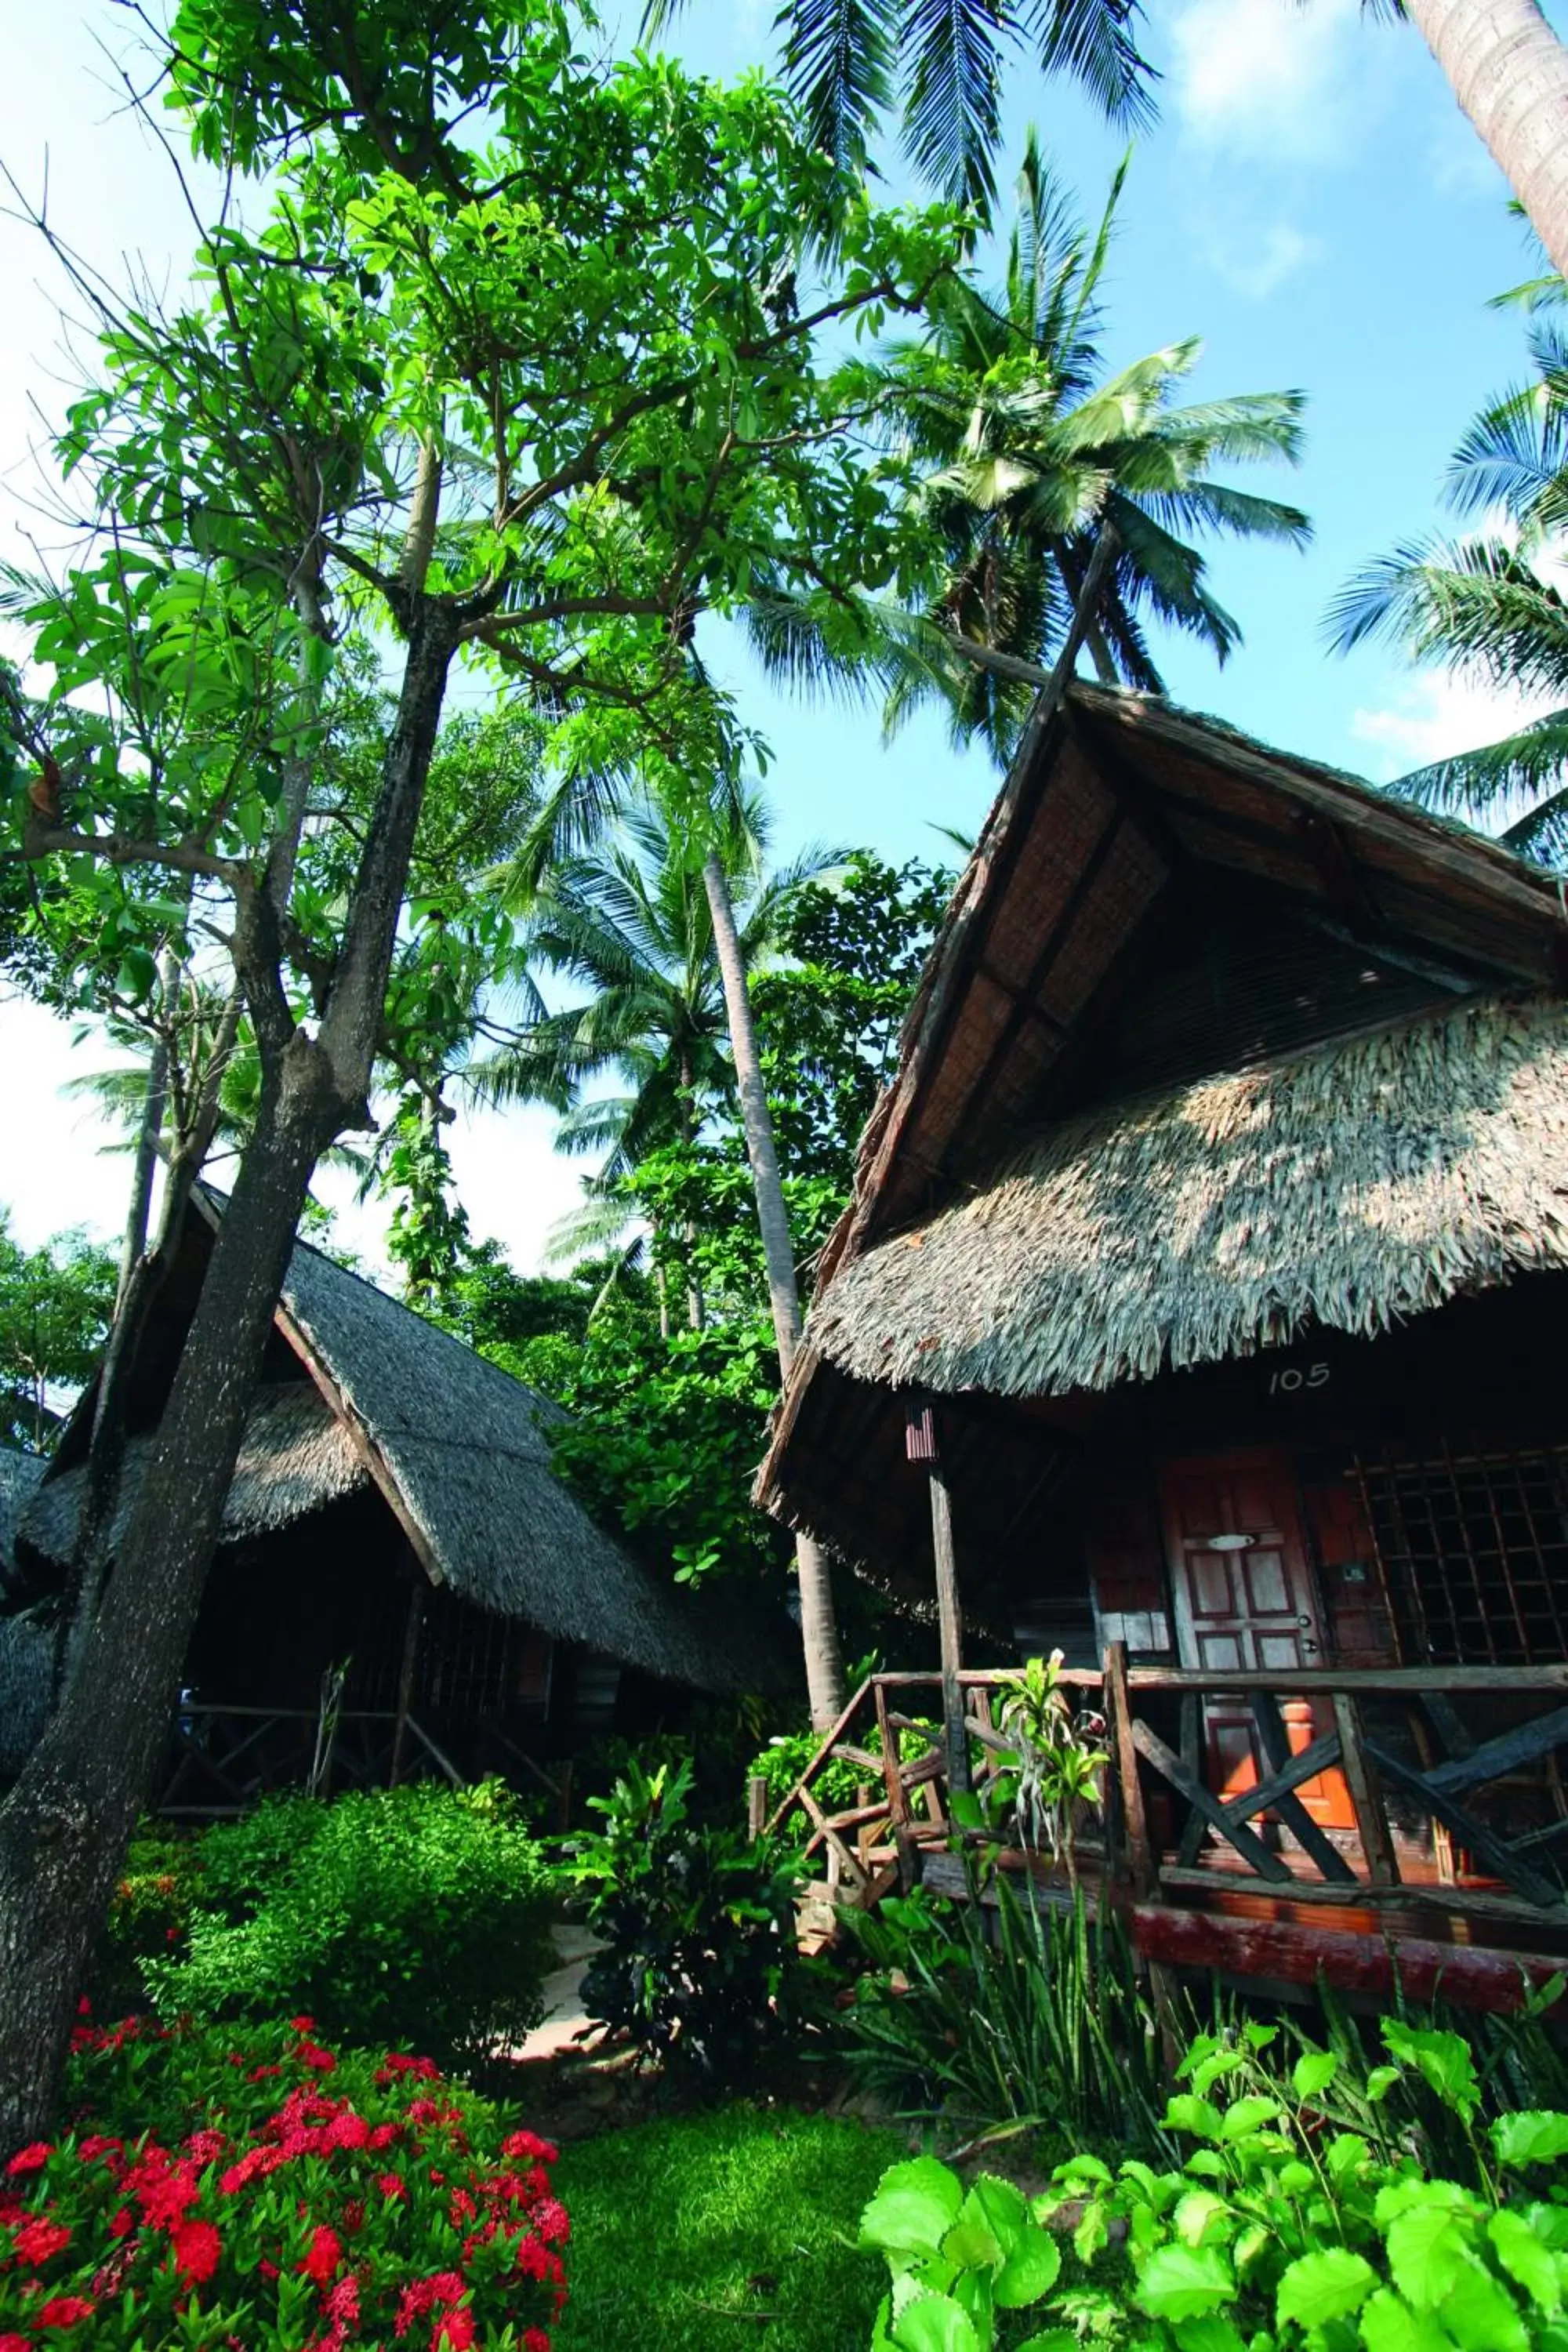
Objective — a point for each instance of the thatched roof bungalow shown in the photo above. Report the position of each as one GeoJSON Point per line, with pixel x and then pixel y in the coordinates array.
{"type": "Point", "coordinates": [394, 1510]}
{"type": "Point", "coordinates": [1213, 1235]}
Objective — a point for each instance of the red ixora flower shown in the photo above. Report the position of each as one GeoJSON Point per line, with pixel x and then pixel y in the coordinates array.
{"type": "Point", "coordinates": [535, 2340]}
{"type": "Point", "coordinates": [326, 2253]}
{"type": "Point", "coordinates": [31, 2159]}
{"type": "Point", "coordinates": [197, 2247]}
{"type": "Point", "coordinates": [303, 2024]}
{"type": "Point", "coordinates": [527, 2143]}
{"type": "Point", "coordinates": [66, 2311]}
{"type": "Point", "coordinates": [310, 2054]}
{"type": "Point", "coordinates": [454, 2332]}
{"type": "Point", "coordinates": [39, 2240]}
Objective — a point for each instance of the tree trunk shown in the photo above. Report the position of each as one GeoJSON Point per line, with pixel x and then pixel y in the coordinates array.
{"type": "Point", "coordinates": [1510, 73]}
{"type": "Point", "coordinates": [818, 1624]}
{"type": "Point", "coordinates": [64, 1826]}
{"type": "Point", "coordinates": [149, 1135]}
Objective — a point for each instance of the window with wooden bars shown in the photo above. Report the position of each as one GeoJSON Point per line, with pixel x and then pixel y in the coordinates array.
{"type": "Point", "coordinates": [1473, 1547]}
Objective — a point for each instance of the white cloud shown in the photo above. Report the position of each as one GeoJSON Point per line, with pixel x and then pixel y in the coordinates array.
{"type": "Point", "coordinates": [1267, 81]}
{"type": "Point", "coordinates": [1257, 265]}
{"type": "Point", "coordinates": [1432, 715]}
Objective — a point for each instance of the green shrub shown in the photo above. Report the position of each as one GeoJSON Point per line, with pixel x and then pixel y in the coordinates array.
{"type": "Point", "coordinates": [1286, 2229]}
{"type": "Point", "coordinates": [1022, 2017]}
{"type": "Point", "coordinates": [251, 2189]}
{"type": "Point", "coordinates": [417, 1914]}
{"type": "Point", "coordinates": [701, 1967]}
{"type": "Point", "coordinates": [784, 1758]}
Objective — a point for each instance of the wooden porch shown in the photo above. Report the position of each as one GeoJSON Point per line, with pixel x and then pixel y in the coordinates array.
{"type": "Point", "coordinates": [1375, 1839]}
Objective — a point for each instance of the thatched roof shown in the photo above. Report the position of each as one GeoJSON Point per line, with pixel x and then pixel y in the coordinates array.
{"type": "Point", "coordinates": [458, 1449]}
{"type": "Point", "coordinates": [19, 1473]}
{"type": "Point", "coordinates": [1139, 1116]}
{"type": "Point", "coordinates": [295, 1455]}
{"type": "Point", "coordinates": [1347, 1187]}
{"type": "Point", "coordinates": [464, 1445]}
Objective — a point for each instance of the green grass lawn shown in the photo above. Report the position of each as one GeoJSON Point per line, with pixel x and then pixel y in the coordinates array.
{"type": "Point", "coordinates": [722, 2233]}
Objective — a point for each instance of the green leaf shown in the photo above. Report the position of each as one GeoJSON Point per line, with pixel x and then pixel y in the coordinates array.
{"type": "Point", "coordinates": [1030, 2271]}
{"type": "Point", "coordinates": [1246, 2116]}
{"type": "Point", "coordinates": [1313, 2072]}
{"type": "Point", "coordinates": [1526, 2258]}
{"type": "Point", "coordinates": [1092, 2233]}
{"type": "Point", "coordinates": [1212, 2332]}
{"type": "Point", "coordinates": [1480, 2315]}
{"type": "Point", "coordinates": [1381, 2080]}
{"type": "Point", "coordinates": [1322, 2287]}
{"type": "Point", "coordinates": [914, 2207]}
{"type": "Point", "coordinates": [934, 2322]}
{"type": "Point", "coordinates": [1189, 2113]}
{"type": "Point", "coordinates": [1534, 2135]}
{"type": "Point", "coordinates": [1426, 2252]}
{"type": "Point", "coordinates": [1182, 2282]}
{"type": "Point", "coordinates": [1388, 2325]}
{"type": "Point", "coordinates": [1196, 2213]}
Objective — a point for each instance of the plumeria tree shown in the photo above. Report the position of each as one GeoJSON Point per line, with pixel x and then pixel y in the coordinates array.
{"type": "Point", "coordinates": [500, 370]}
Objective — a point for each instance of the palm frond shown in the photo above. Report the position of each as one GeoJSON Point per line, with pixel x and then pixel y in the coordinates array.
{"type": "Point", "coordinates": [1491, 781]}
{"type": "Point", "coordinates": [1095, 42]}
{"type": "Point", "coordinates": [953, 115]}
{"type": "Point", "coordinates": [838, 68]}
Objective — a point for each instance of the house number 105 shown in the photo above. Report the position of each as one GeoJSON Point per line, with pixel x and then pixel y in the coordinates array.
{"type": "Point", "coordinates": [1292, 1378]}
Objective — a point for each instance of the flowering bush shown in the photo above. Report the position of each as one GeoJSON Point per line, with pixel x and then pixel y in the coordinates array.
{"type": "Point", "coordinates": [258, 2193]}
{"type": "Point", "coordinates": [413, 1914]}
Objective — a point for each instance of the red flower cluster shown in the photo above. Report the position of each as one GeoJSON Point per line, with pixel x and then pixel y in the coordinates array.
{"type": "Point", "coordinates": [387, 2193]}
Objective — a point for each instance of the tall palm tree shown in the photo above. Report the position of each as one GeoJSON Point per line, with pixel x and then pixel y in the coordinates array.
{"type": "Point", "coordinates": [1029, 448]}
{"type": "Point", "coordinates": [709, 840]}
{"type": "Point", "coordinates": [630, 925]}
{"type": "Point", "coordinates": [1486, 605]}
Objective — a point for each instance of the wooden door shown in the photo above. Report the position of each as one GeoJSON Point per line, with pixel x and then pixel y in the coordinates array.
{"type": "Point", "coordinates": [1244, 1598]}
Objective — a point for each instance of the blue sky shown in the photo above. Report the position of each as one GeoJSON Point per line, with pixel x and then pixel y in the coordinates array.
{"type": "Point", "coordinates": [1311, 202]}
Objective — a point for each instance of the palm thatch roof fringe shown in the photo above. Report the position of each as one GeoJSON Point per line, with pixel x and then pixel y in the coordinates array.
{"type": "Point", "coordinates": [26, 1679]}
{"type": "Point", "coordinates": [295, 1455]}
{"type": "Point", "coordinates": [19, 1475]}
{"type": "Point", "coordinates": [1348, 1186]}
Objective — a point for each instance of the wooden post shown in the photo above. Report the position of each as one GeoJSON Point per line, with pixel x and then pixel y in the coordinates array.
{"type": "Point", "coordinates": [1366, 1796]}
{"type": "Point", "coordinates": [920, 1446]}
{"type": "Point", "coordinates": [1140, 1853]}
{"type": "Point", "coordinates": [897, 1796]}
{"type": "Point", "coordinates": [756, 1806]}
{"type": "Point", "coordinates": [406, 1673]}
{"type": "Point", "coordinates": [951, 1621]}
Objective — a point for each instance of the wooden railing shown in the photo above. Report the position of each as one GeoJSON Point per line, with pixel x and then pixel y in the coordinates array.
{"type": "Point", "coordinates": [1162, 1818]}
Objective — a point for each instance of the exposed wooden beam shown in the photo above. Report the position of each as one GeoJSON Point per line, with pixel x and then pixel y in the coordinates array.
{"type": "Point", "coordinates": [365, 1445]}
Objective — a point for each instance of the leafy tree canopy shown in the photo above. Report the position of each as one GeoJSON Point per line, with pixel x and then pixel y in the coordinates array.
{"type": "Point", "coordinates": [55, 1306]}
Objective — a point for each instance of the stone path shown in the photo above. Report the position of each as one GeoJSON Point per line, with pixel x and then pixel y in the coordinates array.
{"type": "Point", "coordinates": [564, 2017]}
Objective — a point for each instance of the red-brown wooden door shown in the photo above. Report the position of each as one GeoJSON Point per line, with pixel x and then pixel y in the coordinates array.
{"type": "Point", "coordinates": [1245, 1600]}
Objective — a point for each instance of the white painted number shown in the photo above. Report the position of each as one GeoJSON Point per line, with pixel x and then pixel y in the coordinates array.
{"type": "Point", "coordinates": [1292, 1378]}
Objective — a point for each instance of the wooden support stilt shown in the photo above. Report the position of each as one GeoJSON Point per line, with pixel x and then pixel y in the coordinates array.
{"type": "Point", "coordinates": [950, 1622]}
{"type": "Point", "coordinates": [920, 1446]}
{"type": "Point", "coordinates": [415, 1619]}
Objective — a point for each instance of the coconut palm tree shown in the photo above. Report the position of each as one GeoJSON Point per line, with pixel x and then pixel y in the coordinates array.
{"type": "Point", "coordinates": [630, 925]}
{"type": "Point", "coordinates": [1029, 448]}
{"type": "Point", "coordinates": [1488, 606]}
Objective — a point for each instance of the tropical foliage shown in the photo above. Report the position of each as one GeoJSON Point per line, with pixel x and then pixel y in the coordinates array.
{"type": "Point", "coordinates": [414, 1914]}
{"type": "Point", "coordinates": [1286, 2224]}
{"type": "Point", "coordinates": [1492, 606]}
{"type": "Point", "coordinates": [1029, 449]}
{"type": "Point", "coordinates": [700, 1967]}
{"type": "Point", "coordinates": [55, 1306]}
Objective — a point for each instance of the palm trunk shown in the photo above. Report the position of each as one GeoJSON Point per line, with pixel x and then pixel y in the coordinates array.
{"type": "Point", "coordinates": [1508, 71]}
{"type": "Point", "coordinates": [818, 1624]}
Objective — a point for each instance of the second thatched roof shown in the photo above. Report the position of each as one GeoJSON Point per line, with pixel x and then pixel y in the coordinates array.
{"type": "Point", "coordinates": [1347, 1186]}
